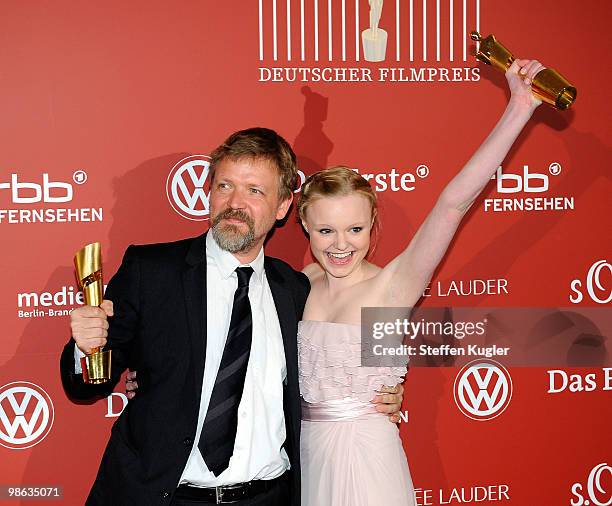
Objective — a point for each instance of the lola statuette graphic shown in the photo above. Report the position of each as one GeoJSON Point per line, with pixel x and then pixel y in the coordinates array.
{"type": "Point", "coordinates": [374, 39]}
{"type": "Point", "coordinates": [96, 365]}
{"type": "Point", "coordinates": [548, 85]}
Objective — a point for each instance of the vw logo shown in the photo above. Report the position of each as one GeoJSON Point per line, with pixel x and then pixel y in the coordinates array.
{"type": "Point", "coordinates": [483, 389]}
{"type": "Point", "coordinates": [185, 187]}
{"type": "Point", "coordinates": [26, 415]}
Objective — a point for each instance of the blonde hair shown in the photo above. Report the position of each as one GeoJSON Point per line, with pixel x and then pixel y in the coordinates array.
{"type": "Point", "coordinates": [333, 182]}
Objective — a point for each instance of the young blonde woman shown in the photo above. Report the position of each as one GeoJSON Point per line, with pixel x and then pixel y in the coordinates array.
{"type": "Point", "coordinates": [351, 455]}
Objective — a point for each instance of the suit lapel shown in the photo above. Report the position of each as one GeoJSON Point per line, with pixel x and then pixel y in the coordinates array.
{"type": "Point", "coordinates": [287, 317]}
{"type": "Point", "coordinates": [285, 308]}
{"type": "Point", "coordinates": [194, 288]}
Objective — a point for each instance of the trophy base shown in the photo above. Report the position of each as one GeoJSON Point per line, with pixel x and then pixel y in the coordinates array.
{"type": "Point", "coordinates": [374, 44]}
{"type": "Point", "coordinates": [97, 367]}
{"type": "Point", "coordinates": [552, 88]}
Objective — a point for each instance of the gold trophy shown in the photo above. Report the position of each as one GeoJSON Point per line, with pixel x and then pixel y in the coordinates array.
{"type": "Point", "coordinates": [548, 85]}
{"type": "Point", "coordinates": [96, 365]}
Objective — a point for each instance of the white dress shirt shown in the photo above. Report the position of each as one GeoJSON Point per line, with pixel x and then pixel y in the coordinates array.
{"type": "Point", "coordinates": [261, 420]}
{"type": "Point", "coordinates": [258, 452]}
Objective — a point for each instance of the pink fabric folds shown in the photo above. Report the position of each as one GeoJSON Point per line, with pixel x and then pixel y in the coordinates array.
{"type": "Point", "coordinates": [329, 357]}
{"type": "Point", "coordinates": [351, 455]}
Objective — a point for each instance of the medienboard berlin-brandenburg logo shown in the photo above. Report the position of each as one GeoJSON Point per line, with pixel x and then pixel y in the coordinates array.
{"type": "Point", "coordinates": [483, 389]}
{"type": "Point", "coordinates": [26, 415]}
{"type": "Point", "coordinates": [186, 187]}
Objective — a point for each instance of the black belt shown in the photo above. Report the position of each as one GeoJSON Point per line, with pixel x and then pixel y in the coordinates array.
{"type": "Point", "coordinates": [228, 493]}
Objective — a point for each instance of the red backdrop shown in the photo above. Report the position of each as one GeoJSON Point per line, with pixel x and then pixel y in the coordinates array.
{"type": "Point", "coordinates": [101, 101]}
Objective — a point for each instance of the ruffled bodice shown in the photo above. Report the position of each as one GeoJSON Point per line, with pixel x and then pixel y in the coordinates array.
{"type": "Point", "coordinates": [329, 357]}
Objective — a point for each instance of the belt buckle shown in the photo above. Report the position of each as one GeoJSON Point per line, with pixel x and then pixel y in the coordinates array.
{"type": "Point", "coordinates": [219, 495]}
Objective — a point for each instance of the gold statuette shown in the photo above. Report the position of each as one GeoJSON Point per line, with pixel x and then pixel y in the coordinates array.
{"type": "Point", "coordinates": [88, 264]}
{"type": "Point", "coordinates": [548, 85]}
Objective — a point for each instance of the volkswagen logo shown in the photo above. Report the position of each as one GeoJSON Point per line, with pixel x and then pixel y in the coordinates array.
{"type": "Point", "coordinates": [186, 187]}
{"type": "Point", "coordinates": [26, 415]}
{"type": "Point", "coordinates": [483, 389]}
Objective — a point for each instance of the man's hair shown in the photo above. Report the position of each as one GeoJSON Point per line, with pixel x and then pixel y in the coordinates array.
{"type": "Point", "coordinates": [261, 144]}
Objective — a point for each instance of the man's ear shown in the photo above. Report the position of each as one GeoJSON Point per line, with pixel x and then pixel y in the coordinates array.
{"type": "Point", "coordinates": [283, 207]}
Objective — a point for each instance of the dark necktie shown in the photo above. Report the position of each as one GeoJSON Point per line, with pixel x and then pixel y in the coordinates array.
{"type": "Point", "coordinates": [219, 431]}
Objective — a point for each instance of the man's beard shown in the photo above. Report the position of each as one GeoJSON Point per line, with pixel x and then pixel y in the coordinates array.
{"type": "Point", "coordinates": [229, 237]}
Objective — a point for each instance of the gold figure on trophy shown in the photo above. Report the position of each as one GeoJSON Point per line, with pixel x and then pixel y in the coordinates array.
{"type": "Point", "coordinates": [548, 85]}
{"type": "Point", "coordinates": [96, 366]}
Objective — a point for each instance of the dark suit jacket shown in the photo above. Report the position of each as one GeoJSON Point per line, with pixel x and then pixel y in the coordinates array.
{"type": "Point", "coordinates": [159, 328]}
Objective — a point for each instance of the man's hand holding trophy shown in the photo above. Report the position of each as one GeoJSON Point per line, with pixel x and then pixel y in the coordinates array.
{"type": "Point", "coordinates": [89, 323]}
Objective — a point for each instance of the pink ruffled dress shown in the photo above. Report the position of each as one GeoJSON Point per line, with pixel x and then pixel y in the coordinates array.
{"type": "Point", "coordinates": [351, 455]}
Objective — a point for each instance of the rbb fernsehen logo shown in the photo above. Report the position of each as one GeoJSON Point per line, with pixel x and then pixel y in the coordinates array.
{"type": "Point", "coordinates": [187, 188]}
{"type": "Point", "coordinates": [26, 415]}
{"type": "Point", "coordinates": [483, 389]}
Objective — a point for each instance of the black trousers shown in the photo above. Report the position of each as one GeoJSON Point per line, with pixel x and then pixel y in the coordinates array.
{"type": "Point", "coordinates": [276, 496]}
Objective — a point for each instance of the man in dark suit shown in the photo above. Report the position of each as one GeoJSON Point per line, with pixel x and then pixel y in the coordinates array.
{"type": "Point", "coordinates": [210, 324]}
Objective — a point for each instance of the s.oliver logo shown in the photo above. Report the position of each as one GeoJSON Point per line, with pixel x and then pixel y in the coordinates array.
{"type": "Point", "coordinates": [598, 284]}
{"type": "Point", "coordinates": [598, 488]}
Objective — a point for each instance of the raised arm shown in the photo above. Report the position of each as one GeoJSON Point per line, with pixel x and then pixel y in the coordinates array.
{"type": "Point", "coordinates": [407, 275]}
